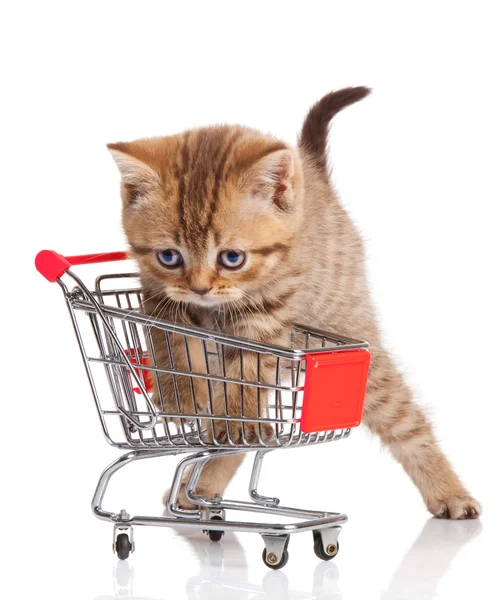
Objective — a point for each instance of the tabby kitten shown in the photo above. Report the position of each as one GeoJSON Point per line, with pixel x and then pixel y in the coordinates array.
{"type": "Point", "coordinates": [224, 216]}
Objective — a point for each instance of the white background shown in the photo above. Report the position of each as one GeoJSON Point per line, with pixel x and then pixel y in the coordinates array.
{"type": "Point", "coordinates": [417, 166]}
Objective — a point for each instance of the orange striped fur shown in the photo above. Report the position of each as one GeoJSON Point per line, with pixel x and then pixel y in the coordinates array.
{"type": "Point", "coordinates": [224, 188]}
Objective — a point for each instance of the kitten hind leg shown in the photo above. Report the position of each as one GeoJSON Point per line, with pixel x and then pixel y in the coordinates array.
{"type": "Point", "coordinates": [403, 428]}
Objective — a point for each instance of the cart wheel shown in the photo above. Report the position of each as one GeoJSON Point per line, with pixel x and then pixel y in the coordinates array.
{"type": "Point", "coordinates": [123, 546]}
{"type": "Point", "coordinates": [215, 536]}
{"type": "Point", "coordinates": [320, 551]}
{"type": "Point", "coordinates": [277, 565]}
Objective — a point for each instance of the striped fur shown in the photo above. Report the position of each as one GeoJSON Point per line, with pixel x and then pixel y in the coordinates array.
{"type": "Point", "coordinates": [228, 187]}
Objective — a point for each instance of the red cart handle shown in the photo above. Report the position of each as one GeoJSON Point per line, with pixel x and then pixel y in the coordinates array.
{"type": "Point", "coordinates": [53, 265]}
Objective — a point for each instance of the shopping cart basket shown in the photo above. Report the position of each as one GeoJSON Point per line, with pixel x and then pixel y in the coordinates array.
{"type": "Point", "coordinates": [315, 396]}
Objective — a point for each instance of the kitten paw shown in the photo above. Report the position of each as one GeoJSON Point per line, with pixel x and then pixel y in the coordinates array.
{"type": "Point", "coordinates": [456, 507]}
{"type": "Point", "coordinates": [240, 433]}
{"type": "Point", "coordinates": [182, 501]}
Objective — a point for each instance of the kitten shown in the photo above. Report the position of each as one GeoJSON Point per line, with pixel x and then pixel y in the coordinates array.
{"type": "Point", "coordinates": [224, 215]}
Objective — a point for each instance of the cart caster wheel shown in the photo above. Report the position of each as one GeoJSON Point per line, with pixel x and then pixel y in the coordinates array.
{"type": "Point", "coordinates": [271, 561]}
{"type": "Point", "coordinates": [123, 546]}
{"type": "Point", "coordinates": [215, 536]}
{"type": "Point", "coordinates": [275, 554]}
{"type": "Point", "coordinates": [319, 550]}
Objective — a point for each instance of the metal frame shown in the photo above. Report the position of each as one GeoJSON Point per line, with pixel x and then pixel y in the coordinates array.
{"type": "Point", "coordinates": [118, 336]}
{"type": "Point", "coordinates": [194, 519]}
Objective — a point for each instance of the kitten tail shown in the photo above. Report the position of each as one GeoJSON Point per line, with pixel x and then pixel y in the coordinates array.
{"type": "Point", "coordinates": [314, 132]}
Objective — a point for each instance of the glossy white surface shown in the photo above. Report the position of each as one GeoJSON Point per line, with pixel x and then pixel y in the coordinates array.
{"type": "Point", "coordinates": [390, 548]}
{"type": "Point", "coordinates": [416, 164]}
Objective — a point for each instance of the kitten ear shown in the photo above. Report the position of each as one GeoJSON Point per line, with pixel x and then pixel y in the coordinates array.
{"type": "Point", "coordinates": [271, 178]}
{"type": "Point", "coordinates": [138, 178]}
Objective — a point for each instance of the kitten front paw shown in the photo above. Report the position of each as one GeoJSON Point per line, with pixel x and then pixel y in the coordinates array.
{"type": "Point", "coordinates": [182, 499]}
{"type": "Point", "coordinates": [238, 433]}
{"type": "Point", "coordinates": [456, 507]}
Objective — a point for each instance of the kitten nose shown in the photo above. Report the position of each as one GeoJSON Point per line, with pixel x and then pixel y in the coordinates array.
{"type": "Point", "coordinates": [200, 291]}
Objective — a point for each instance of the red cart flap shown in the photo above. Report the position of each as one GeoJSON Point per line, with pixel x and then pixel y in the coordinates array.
{"type": "Point", "coordinates": [334, 390]}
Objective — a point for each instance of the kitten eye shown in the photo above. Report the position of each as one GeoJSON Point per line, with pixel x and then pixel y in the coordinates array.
{"type": "Point", "coordinates": [170, 258]}
{"type": "Point", "coordinates": [232, 259]}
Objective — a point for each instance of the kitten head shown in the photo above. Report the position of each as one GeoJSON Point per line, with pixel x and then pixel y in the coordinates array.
{"type": "Point", "coordinates": [210, 214]}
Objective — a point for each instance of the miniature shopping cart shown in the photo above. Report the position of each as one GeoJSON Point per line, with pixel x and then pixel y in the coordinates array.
{"type": "Point", "coordinates": [316, 396]}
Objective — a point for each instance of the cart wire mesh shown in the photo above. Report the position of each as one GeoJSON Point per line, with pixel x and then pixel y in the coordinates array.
{"type": "Point", "coordinates": [159, 384]}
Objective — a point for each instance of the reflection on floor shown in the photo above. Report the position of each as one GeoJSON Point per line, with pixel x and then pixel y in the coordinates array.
{"type": "Point", "coordinates": [223, 573]}
{"type": "Point", "coordinates": [430, 556]}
